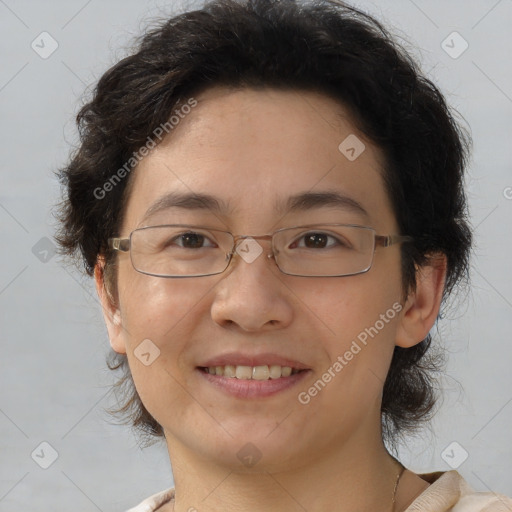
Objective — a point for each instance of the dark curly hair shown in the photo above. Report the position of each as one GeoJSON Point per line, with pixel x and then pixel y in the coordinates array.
{"type": "Point", "coordinates": [324, 46]}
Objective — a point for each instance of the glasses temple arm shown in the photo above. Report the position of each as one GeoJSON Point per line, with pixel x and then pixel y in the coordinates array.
{"type": "Point", "coordinates": [119, 244]}
{"type": "Point", "coordinates": [387, 240]}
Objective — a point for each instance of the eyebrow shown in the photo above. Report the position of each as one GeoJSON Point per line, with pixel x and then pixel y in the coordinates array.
{"type": "Point", "coordinates": [311, 200]}
{"type": "Point", "coordinates": [188, 201]}
{"type": "Point", "coordinates": [299, 202]}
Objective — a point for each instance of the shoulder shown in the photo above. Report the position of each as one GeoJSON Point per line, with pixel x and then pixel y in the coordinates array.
{"type": "Point", "coordinates": [449, 492]}
{"type": "Point", "coordinates": [153, 503]}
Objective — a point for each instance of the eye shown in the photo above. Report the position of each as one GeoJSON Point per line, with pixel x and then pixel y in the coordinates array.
{"type": "Point", "coordinates": [317, 240]}
{"type": "Point", "coordinates": [191, 240]}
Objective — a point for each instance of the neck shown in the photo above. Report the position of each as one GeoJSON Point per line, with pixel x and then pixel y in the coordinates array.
{"type": "Point", "coordinates": [360, 475]}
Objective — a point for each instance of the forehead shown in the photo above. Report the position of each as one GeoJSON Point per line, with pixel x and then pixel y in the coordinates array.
{"type": "Point", "coordinates": [254, 149]}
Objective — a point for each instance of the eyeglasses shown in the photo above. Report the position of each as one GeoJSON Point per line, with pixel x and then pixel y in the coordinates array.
{"type": "Point", "coordinates": [317, 250]}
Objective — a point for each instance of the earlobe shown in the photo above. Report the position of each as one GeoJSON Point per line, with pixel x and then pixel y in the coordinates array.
{"type": "Point", "coordinates": [422, 305]}
{"type": "Point", "coordinates": [111, 312]}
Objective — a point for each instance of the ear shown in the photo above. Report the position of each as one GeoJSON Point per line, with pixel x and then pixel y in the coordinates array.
{"type": "Point", "coordinates": [111, 312]}
{"type": "Point", "coordinates": [422, 305]}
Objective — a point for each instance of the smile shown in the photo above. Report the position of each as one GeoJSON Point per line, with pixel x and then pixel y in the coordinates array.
{"type": "Point", "coordinates": [261, 372]}
{"type": "Point", "coordinates": [251, 382]}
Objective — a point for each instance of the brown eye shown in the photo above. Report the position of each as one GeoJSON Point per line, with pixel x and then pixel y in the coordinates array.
{"type": "Point", "coordinates": [316, 240]}
{"type": "Point", "coordinates": [190, 240]}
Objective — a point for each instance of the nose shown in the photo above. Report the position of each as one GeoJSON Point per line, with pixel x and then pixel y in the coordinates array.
{"type": "Point", "coordinates": [251, 295]}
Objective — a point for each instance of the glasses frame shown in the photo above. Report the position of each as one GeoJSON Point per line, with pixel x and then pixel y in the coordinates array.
{"type": "Point", "coordinates": [124, 245]}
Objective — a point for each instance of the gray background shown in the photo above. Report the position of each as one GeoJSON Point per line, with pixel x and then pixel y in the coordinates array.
{"type": "Point", "coordinates": [53, 377]}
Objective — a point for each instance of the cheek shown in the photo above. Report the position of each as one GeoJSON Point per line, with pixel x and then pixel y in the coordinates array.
{"type": "Point", "coordinates": [160, 313]}
{"type": "Point", "coordinates": [344, 307]}
{"type": "Point", "coordinates": [162, 310]}
{"type": "Point", "coordinates": [357, 321]}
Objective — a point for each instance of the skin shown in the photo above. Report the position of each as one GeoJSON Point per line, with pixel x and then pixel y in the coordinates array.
{"type": "Point", "coordinates": [251, 147]}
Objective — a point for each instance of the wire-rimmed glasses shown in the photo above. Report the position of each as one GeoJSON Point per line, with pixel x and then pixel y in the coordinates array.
{"type": "Point", "coordinates": [316, 250]}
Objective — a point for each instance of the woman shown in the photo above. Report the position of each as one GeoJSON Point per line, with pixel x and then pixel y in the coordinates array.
{"type": "Point", "coordinates": [269, 196]}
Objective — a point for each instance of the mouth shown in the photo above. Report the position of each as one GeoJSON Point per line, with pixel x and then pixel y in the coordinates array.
{"type": "Point", "coordinates": [242, 376]}
{"type": "Point", "coordinates": [260, 372]}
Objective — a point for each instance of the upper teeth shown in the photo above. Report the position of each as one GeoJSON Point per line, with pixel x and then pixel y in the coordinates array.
{"type": "Point", "coordinates": [264, 372]}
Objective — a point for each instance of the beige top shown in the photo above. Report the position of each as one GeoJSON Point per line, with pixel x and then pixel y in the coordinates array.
{"type": "Point", "coordinates": [447, 492]}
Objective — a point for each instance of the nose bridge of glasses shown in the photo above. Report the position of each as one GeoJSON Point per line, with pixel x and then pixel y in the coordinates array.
{"type": "Point", "coordinates": [239, 239]}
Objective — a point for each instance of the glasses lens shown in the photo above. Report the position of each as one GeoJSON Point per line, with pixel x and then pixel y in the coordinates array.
{"type": "Point", "coordinates": [180, 250]}
{"type": "Point", "coordinates": [325, 250]}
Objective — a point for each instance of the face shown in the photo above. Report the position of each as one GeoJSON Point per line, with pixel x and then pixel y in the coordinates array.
{"type": "Point", "coordinates": [252, 151]}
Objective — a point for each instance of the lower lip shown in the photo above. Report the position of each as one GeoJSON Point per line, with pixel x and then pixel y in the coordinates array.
{"type": "Point", "coordinates": [248, 388]}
